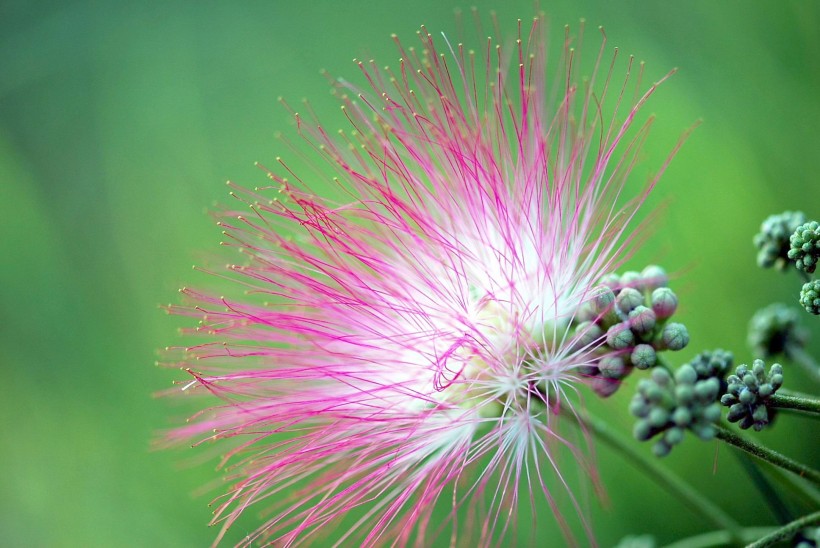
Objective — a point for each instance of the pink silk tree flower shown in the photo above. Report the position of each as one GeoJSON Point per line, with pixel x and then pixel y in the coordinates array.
{"type": "Point", "coordinates": [390, 365]}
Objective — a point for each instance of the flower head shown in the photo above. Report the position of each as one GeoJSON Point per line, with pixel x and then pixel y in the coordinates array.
{"type": "Point", "coordinates": [406, 349]}
{"type": "Point", "coordinates": [772, 241]}
{"type": "Point", "coordinates": [775, 330]}
{"type": "Point", "coordinates": [810, 297]}
{"type": "Point", "coordinates": [804, 247]}
{"type": "Point", "coordinates": [748, 393]}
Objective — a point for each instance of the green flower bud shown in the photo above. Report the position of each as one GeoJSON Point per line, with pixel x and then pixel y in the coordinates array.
{"type": "Point", "coordinates": [638, 407]}
{"type": "Point", "coordinates": [619, 336]}
{"type": "Point", "coordinates": [653, 277]}
{"type": "Point", "coordinates": [628, 299]}
{"type": "Point", "coordinates": [642, 430]}
{"type": "Point", "coordinates": [658, 417]}
{"type": "Point", "coordinates": [705, 432]}
{"type": "Point", "coordinates": [661, 377]}
{"type": "Point", "coordinates": [760, 417]}
{"type": "Point", "coordinates": [587, 334]}
{"type": "Point", "coordinates": [654, 394]}
{"type": "Point", "coordinates": [661, 449]}
{"type": "Point", "coordinates": [612, 281]}
{"type": "Point", "coordinates": [602, 300]}
{"type": "Point", "coordinates": [728, 399]}
{"type": "Point", "coordinates": [642, 320]}
{"type": "Point", "coordinates": [643, 356]}
{"type": "Point", "coordinates": [673, 436]}
{"type": "Point", "coordinates": [604, 387]}
{"type": "Point", "coordinates": [684, 393]}
{"type": "Point", "coordinates": [810, 297]}
{"type": "Point", "coordinates": [612, 367]}
{"type": "Point", "coordinates": [686, 374]}
{"type": "Point", "coordinates": [630, 279]}
{"type": "Point", "coordinates": [674, 336]}
{"type": "Point", "coordinates": [776, 379]}
{"type": "Point", "coordinates": [707, 390]}
{"type": "Point", "coordinates": [664, 302]}
{"type": "Point", "coordinates": [712, 413]}
{"type": "Point", "coordinates": [736, 412]}
{"type": "Point", "coordinates": [682, 416]}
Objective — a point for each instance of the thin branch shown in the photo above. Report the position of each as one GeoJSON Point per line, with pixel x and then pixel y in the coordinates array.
{"type": "Point", "coordinates": [805, 404]}
{"type": "Point", "coordinates": [787, 531]}
{"type": "Point", "coordinates": [768, 455]}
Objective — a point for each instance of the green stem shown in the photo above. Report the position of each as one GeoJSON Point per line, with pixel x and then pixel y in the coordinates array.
{"type": "Point", "coordinates": [720, 538]}
{"type": "Point", "coordinates": [804, 490]}
{"type": "Point", "coordinates": [787, 531]}
{"type": "Point", "coordinates": [768, 455]}
{"type": "Point", "coordinates": [804, 360]}
{"type": "Point", "coordinates": [803, 403]}
{"type": "Point", "coordinates": [684, 492]}
{"type": "Point", "coordinates": [758, 537]}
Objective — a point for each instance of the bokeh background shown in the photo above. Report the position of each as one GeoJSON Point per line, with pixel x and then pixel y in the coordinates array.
{"type": "Point", "coordinates": [120, 122]}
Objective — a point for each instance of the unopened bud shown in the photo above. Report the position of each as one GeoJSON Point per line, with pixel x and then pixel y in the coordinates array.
{"type": "Point", "coordinates": [675, 336]}
{"type": "Point", "coordinates": [664, 302]}
{"type": "Point", "coordinates": [619, 336]}
{"type": "Point", "coordinates": [643, 356]}
{"type": "Point", "coordinates": [628, 299]}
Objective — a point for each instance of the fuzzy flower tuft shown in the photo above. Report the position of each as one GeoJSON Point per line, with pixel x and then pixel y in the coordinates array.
{"type": "Point", "coordinates": [391, 366]}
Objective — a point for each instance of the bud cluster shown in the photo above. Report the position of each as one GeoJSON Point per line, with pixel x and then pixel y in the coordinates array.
{"type": "Point", "coordinates": [772, 241]}
{"type": "Point", "coordinates": [810, 297]}
{"type": "Point", "coordinates": [713, 364]}
{"type": "Point", "coordinates": [775, 329]}
{"type": "Point", "coordinates": [786, 238]}
{"type": "Point", "coordinates": [667, 406]}
{"type": "Point", "coordinates": [805, 246]}
{"type": "Point", "coordinates": [747, 394]}
{"type": "Point", "coordinates": [631, 314]}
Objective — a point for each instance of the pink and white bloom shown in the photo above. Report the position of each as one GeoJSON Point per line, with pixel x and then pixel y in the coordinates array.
{"type": "Point", "coordinates": [389, 364]}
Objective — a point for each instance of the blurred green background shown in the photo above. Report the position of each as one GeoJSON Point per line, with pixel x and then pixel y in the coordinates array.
{"type": "Point", "coordinates": [120, 122]}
